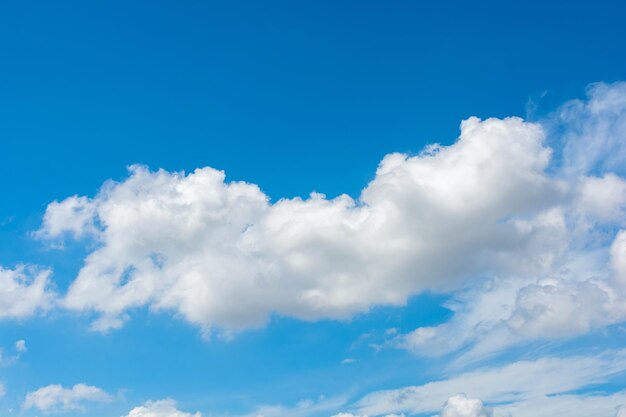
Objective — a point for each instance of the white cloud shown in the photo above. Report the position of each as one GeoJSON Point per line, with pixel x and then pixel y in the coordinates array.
{"type": "Point", "coordinates": [546, 309]}
{"type": "Point", "coordinates": [505, 312]}
{"type": "Point", "coordinates": [354, 415]}
{"type": "Point", "coordinates": [594, 404]}
{"type": "Point", "coordinates": [74, 215]}
{"type": "Point", "coordinates": [479, 314]}
{"type": "Point", "coordinates": [20, 346]}
{"type": "Point", "coordinates": [520, 383]}
{"type": "Point", "coordinates": [161, 408]}
{"type": "Point", "coordinates": [525, 241]}
{"type": "Point", "coordinates": [53, 398]}
{"type": "Point", "coordinates": [524, 238]}
{"type": "Point", "coordinates": [219, 254]}
{"type": "Point", "coordinates": [347, 415]}
{"type": "Point", "coordinates": [24, 291]}
{"type": "Point", "coordinates": [618, 259]}
{"type": "Point", "coordinates": [567, 405]}
{"type": "Point", "coordinates": [461, 406]}
{"type": "Point", "coordinates": [587, 280]}
{"type": "Point", "coordinates": [593, 131]}
{"type": "Point", "coordinates": [603, 199]}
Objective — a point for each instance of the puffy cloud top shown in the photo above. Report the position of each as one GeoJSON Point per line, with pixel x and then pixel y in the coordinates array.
{"type": "Point", "coordinates": [220, 254]}
{"type": "Point", "coordinates": [496, 206]}
{"type": "Point", "coordinates": [461, 406]}
{"type": "Point", "coordinates": [161, 408]}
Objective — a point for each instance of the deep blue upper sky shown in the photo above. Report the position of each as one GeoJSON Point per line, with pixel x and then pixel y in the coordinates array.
{"type": "Point", "coordinates": [293, 96]}
{"type": "Point", "coordinates": [282, 94]}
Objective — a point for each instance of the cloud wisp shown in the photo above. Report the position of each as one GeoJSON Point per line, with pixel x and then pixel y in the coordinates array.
{"type": "Point", "coordinates": [515, 388]}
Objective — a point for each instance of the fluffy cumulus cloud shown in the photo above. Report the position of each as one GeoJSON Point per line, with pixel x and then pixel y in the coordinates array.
{"type": "Point", "coordinates": [54, 398]}
{"type": "Point", "coordinates": [24, 291]}
{"type": "Point", "coordinates": [74, 216]}
{"type": "Point", "coordinates": [498, 213]}
{"type": "Point", "coordinates": [588, 279]}
{"type": "Point", "coordinates": [161, 408]}
{"type": "Point", "coordinates": [524, 224]}
{"type": "Point", "coordinates": [220, 254]}
{"type": "Point", "coordinates": [461, 406]}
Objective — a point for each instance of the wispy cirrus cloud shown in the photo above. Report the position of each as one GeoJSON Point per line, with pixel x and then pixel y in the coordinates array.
{"type": "Point", "coordinates": [517, 388]}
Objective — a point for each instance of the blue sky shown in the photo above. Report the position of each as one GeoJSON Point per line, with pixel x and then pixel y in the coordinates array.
{"type": "Point", "coordinates": [128, 264]}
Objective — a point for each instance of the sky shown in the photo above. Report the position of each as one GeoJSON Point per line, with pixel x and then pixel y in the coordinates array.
{"type": "Point", "coordinates": [312, 209]}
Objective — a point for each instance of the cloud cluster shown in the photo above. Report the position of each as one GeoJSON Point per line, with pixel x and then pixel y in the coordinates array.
{"type": "Point", "coordinates": [161, 408]}
{"type": "Point", "coordinates": [526, 236]}
{"type": "Point", "coordinates": [504, 312]}
{"type": "Point", "coordinates": [55, 397]}
{"type": "Point", "coordinates": [220, 254]}
{"type": "Point", "coordinates": [24, 291]}
{"type": "Point", "coordinates": [519, 388]}
{"type": "Point", "coordinates": [588, 279]}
